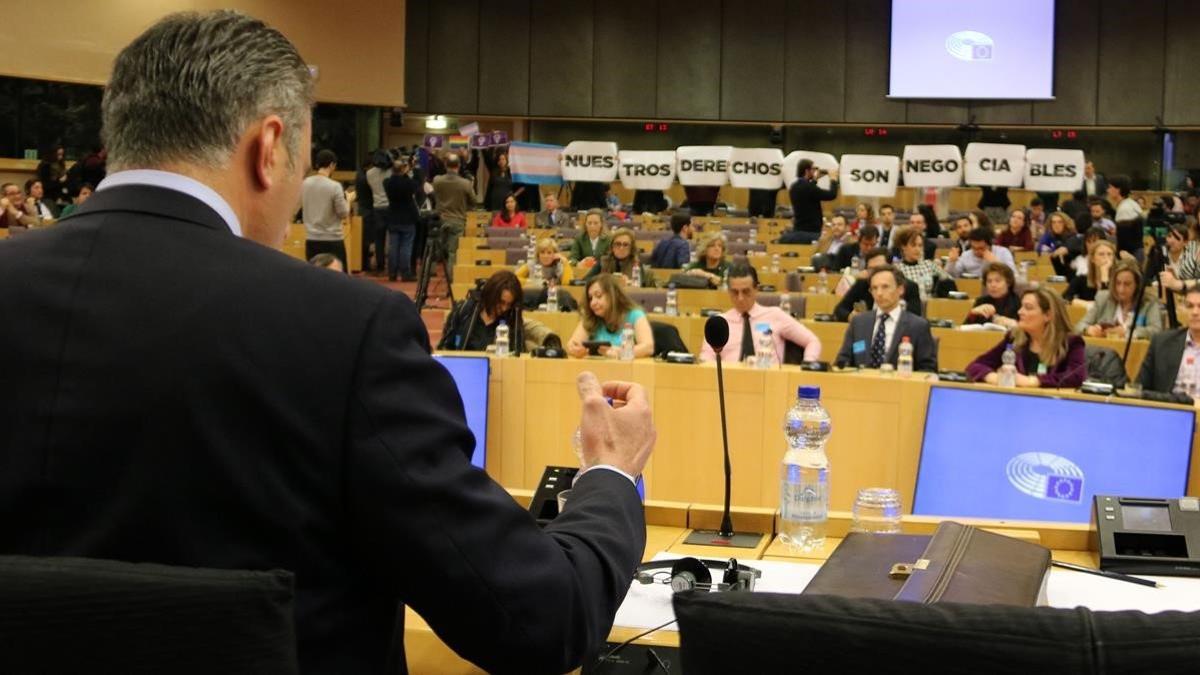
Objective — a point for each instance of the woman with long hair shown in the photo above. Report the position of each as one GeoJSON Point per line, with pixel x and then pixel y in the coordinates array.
{"type": "Point", "coordinates": [1017, 236]}
{"type": "Point", "coordinates": [1061, 242]}
{"type": "Point", "coordinates": [473, 323]}
{"type": "Point", "coordinates": [604, 313]}
{"type": "Point", "coordinates": [1083, 287]}
{"type": "Point", "coordinates": [509, 216]}
{"type": "Point", "coordinates": [1112, 314]}
{"type": "Point", "coordinates": [1048, 355]}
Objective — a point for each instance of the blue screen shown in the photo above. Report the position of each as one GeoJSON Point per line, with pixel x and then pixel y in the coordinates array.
{"type": "Point", "coordinates": [1010, 456]}
{"type": "Point", "coordinates": [470, 373]}
{"type": "Point", "coordinates": [972, 49]}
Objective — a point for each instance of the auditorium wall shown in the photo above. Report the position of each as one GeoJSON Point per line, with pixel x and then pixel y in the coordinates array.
{"type": "Point", "coordinates": [1116, 63]}
{"type": "Point", "coordinates": [358, 45]}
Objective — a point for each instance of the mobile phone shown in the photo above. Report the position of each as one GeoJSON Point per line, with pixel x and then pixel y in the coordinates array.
{"type": "Point", "coordinates": [593, 346]}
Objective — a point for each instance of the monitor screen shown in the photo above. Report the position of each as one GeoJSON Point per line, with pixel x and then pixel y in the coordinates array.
{"type": "Point", "coordinates": [990, 454]}
{"type": "Point", "coordinates": [470, 373]}
{"type": "Point", "coordinates": [956, 49]}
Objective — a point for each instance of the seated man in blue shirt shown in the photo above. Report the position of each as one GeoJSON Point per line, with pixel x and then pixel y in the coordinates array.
{"type": "Point", "coordinates": [979, 254]}
{"type": "Point", "coordinates": [674, 253]}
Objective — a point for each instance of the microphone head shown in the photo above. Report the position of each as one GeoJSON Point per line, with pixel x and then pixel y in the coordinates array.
{"type": "Point", "coordinates": [716, 332]}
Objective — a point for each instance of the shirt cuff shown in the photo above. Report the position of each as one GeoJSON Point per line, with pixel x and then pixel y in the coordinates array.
{"type": "Point", "coordinates": [608, 467]}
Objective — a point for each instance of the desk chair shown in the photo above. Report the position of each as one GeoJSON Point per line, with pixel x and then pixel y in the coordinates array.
{"type": "Point", "coordinates": [79, 615]}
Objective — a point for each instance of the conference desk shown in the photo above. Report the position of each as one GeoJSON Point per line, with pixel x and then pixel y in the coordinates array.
{"type": "Point", "coordinates": [668, 524]}
{"type": "Point", "coordinates": [878, 426]}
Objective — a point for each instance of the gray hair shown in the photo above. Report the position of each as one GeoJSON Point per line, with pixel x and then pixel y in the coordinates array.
{"type": "Point", "coordinates": [187, 89]}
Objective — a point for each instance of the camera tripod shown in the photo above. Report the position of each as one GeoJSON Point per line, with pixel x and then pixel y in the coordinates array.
{"type": "Point", "coordinates": [435, 252]}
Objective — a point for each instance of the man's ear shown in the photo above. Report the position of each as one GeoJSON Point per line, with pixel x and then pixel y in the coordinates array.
{"type": "Point", "coordinates": [267, 150]}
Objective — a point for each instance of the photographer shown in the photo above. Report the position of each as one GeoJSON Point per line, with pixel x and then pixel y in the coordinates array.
{"type": "Point", "coordinates": [806, 198]}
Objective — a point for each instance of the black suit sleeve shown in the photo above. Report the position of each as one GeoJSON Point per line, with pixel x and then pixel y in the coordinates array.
{"type": "Point", "coordinates": [858, 292]}
{"type": "Point", "coordinates": [449, 542]}
{"type": "Point", "coordinates": [926, 352]}
{"type": "Point", "coordinates": [1146, 375]}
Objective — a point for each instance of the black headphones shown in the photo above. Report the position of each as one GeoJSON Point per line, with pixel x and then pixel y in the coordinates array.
{"type": "Point", "coordinates": [691, 573]}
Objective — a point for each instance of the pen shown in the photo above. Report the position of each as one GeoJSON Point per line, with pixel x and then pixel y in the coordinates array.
{"type": "Point", "coordinates": [1105, 573]}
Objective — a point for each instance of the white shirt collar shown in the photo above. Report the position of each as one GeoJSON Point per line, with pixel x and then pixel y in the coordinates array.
{"type": "Point", "coordinates": [178, 183]}
{"type": "Point", "coordinates": [893, 315]}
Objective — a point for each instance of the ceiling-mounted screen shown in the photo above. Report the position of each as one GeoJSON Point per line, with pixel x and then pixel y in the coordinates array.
{"type": "Point", "coordinates": [972, 49]}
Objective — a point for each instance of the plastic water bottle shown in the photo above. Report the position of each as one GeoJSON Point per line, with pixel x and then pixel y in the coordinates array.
{"type": "Point", "coordinates": [672, 301]}
{"type": "Point", "coordinates": [502, 339]}
{"type": "Point", "coordinates": [823, 285]}
{"type": "Point", "coordinates": [552, 297]}
{"type": "Point", "coordinates": [904, 358]}
{"type": "Point", "coordinates": [754, 235]}
{"type": "Point", "coordinates": [725, 278]}
{"type": "Point", "coordinates": [1022, 273]}
{"type": "Point", "coordinates": [637, 276]}
{"type": "Point", "coordinates": [764, 348]}
{"type": "Point", "coordinates": [1187, 379]}
{"type": "Point", "coordinates": [856, 263]}
{"type": "Point", "coordinates": [785, 303]}
{"type": "Point", "coordinates": [627, 342]}
{"type": "Point", "coordinates": [804, 485]}
{"type": "Point", "coordinates": [775, 263]}
{"type": "Point", "coordinates": [1008, 371]}
{"type": "Point", "coordinates": [537, 272]}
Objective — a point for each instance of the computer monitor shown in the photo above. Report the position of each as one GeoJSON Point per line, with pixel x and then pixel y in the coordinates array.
{"type": "Point", "coordinates": [470, 373]}
{"type": "Point", "coordinates": [990, 454]}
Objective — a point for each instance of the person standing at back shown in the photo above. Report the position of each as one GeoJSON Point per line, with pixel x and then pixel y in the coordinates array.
{"type": "Point", "coordinates": [323, 206]}
{"type": "Point", "coordinates": [454, 196]}
{"type": "Point", "coordinates": [221, 404]}
{"type": "Point", "coordinates": [806, 198]}
{"type": "Point", "coordinates": [376, 236]}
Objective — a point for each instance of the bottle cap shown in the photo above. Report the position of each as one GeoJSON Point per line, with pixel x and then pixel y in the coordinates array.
{"type": "Point", "coordinates": [905, 339]}
{"type": "Point", "coordinates": [811, 392]}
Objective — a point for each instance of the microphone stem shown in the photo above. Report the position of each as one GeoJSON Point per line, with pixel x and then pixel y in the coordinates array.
{"type": "Point", "coordinates": [726, 520]}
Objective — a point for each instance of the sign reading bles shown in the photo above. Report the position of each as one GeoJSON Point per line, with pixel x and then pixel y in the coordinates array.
{"type": "Point", "coordinates": [647, 169]}
{"type": "Point", "coordinates": [932, 166]}
{"type": "Point", "coordinates": [870, 175]}
{"type": "Point", "coordinates": [995, 164]}
{"type": "Point", "coordinates": [594, 161]}
{"type": "Point", "coordinates": [756, 168]}
{"type": "Point", "coordinates": [1049, 170]}
{"type": "Point", "coordinates": [704, 165]}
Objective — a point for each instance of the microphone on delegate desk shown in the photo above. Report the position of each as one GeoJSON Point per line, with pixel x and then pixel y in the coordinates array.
{"type": "Point", "coordinates": [716, 334]}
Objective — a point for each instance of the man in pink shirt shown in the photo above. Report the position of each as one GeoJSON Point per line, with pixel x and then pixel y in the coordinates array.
{"type": "Point", "coordinates": [747, 314]}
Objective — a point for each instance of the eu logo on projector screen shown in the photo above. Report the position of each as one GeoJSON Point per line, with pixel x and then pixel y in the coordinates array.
{"type": "Point", "coordinates": [968, 45]}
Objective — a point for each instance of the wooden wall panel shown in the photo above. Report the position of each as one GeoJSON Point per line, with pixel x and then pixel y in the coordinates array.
{"type": "Point", "coordinates": [752, 61]}
{"type": "Point", "coordinates": [560, 63]}
{"type": "Point", "coordinates": [689, 59]}
{"type": "Point", "coordinates": [815, 62]}
{"type": "Point", "coordinates": [453, 71]}
{"type": "Point", "coordinates": [504, 27]}
{"type": "Point", "coordinates": [626, 69]}
{"type": "Point", "coordinates": [1130, 75]}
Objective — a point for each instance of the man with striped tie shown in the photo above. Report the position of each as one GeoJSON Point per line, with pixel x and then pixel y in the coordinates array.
{"type": "Point", "coordinates": [873, 337]}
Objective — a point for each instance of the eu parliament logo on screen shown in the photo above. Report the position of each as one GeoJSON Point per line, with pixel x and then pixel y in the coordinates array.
{"type": "Point", "coordinates": [969, 45]}
{"type": "Point", "coordinates": [1043, 475]}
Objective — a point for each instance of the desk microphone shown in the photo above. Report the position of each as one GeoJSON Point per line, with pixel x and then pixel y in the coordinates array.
{"type": "Point", "coordinates": [716, 334]}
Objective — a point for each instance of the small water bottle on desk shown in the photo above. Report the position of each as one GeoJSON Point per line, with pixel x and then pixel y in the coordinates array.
{"type": "Point", "coordinates": [775, 263]}
{"type": "Point", "coordinates": [1008, 368]}
{"type": "Point", "coordinates": [502, 339]}
{"type": "Point", "coordinates": [672, 301]}
{"type": "Point", "coordinates": [804, 483]}
{"type": "Point", "coordinates": [764, 349]}
{"type": "Point", "coordinates": [637, 275]}
{"type": "Point", "coordinates": [904, 358]}
{"type": "Point", "coordinates": [823, 281]}
{"type": "Point", "coordinates": [627, 341]}
{"type": "Point", "coordinates": [552, 297]}
{"type": "Point", "coordinates": [785, 303]}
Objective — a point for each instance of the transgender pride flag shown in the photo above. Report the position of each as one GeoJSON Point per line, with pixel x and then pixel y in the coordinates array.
{"type": "Point", "coordinates": [535, 163]}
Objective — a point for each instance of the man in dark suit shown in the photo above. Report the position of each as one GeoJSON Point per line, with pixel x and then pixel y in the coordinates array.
{"type": "Point", "coordinates": [868, 238]}
{"type": "Point", "coordinates": [1166, 368]}
{"type": "Point", "coordinates": [860, 290]}
{"type": "Point", "coordinates": [873, 337]}
{"type": "Point", "coordinates": [219, 404]}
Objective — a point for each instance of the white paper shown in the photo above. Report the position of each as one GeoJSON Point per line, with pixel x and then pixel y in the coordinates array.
{"type": "Point", "coordinates": [649, 605]}
{"type": "Point", "coordinates": [1068, 589]}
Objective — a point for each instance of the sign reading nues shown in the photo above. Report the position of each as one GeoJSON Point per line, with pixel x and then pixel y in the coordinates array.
{"type": "Point", "coordinates": [590, 161]}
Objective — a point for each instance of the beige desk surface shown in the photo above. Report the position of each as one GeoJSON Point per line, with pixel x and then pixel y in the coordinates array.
{"type": "Point", "coordinates": [427, 654]}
